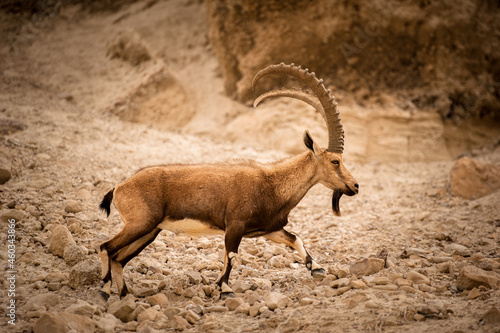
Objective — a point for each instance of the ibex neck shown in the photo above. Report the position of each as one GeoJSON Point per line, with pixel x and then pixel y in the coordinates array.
{"type": "Point", "coordinates": [293, 177]}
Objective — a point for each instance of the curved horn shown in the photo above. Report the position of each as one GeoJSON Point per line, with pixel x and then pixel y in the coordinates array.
{"type": "Point", "coordinates": [293, 93]}
{"type": "Point", "coordinates": [327, 101]}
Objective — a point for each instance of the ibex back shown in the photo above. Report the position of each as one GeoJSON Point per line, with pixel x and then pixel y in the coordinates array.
{"type": "Point", "coordinates": [245, 199]}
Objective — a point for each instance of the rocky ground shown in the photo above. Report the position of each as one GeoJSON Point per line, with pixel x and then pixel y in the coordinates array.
{"type": "Point", "coordinates": [409, 254]}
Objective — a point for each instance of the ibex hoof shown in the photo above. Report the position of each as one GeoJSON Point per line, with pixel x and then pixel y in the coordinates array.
{"type": "Point", "coordinates": [318, 273]}
{"type": "Point", "coordinates": [104, 295]}
{"type": "Point", "coordinates": [225, 295]}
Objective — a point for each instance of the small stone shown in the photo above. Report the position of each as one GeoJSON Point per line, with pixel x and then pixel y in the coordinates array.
{"type": "Point", "coordinates": [418, 317]}
{"type": "Point", "coordinates": [306, 301]}
{"type": "Point", "coordinates": [492, 316]}
{"type": "Point", "coordinates": [276, 300]}
{"type": "Point", "coordinates": [371, 304]}
{"type": "Point", "coordinates": [148, 314]}
{"type": "Point", "coordinates": [73, 206]}
{"type": "Point", "coordinates": [194, 277]}
{"type": "Point", "coordinates": [471, 276]}
{"type": "Point", "coordinates": [381, 280]}
{"type": "Point", "coordinates": [81, 308]}
{"type": "Point", "coordinates": [387, 287]}
{"type": "Point", "coordinates": [340, 283]}
{"type": "Point", "coordinates": [123, 308]}
{"type": "Point", "coordinates": [243, 308]}
{"type": "Point", "coordinates": [216, 308]}
{"type": "Point", "coordinates": [473, 294]}
{"type": "Point", "coordinates": [179, 323]}
{"type": "Point", "coordinates": [145, 292]}
{"type": "Point", "coordinates": [439, 260]}
{"type": "Point", "coordinates": [63, 322]}
{"type": "Point", "coordinates": [233, 303]}
{"type": "Point", "coordinates": [73, 254]}
{"type": "Point", "coordinates": [417, 278]}
{"type": "Point", "coordinates": [241, 287]}
{"type": "Point", "coordinates": [60, 239]}
{"type": "Point", "coordinates": [107, 323]}
{"type": "Point", "coordinates": [87, 272]}
{"type": "Point", "coordinates": [367, 266]}
{"type": "Point", "coordinates": [358, 284]}
{"type": "Point", "coordinates": [402, 282]}
{"type": "Point", "coordinates": [457, 249]}
{"type": "Point", "coordinates": [192, 317]}
{"type": "Point", "coordinates": [47, 300]}
{"type": "Point", "coordinates": [159, 299]}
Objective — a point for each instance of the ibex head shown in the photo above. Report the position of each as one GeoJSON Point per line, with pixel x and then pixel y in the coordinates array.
{"type": "Point", "coordinates": [331, 171]}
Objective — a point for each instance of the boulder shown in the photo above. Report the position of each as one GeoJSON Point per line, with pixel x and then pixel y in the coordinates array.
{"type": "Point", "coordinates": [472, 277]}
{"type": "Point", "coordinates": [60, 239]}
{"type": "Point", "coordinates": [470, 178]}
{"type": "Point", "coordinates": [63, 322]}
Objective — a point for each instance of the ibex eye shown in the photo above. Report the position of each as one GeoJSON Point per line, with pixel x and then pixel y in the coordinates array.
{"type": "Point", "coordinates": [335, 162]}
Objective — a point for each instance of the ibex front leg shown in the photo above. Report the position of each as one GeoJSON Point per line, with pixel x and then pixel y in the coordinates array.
{"type": "Point", "coordinates": [294, 241]}
{"type": "Point", "coordinates": [232, 239]}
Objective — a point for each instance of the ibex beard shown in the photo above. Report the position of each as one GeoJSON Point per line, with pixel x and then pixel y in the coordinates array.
{"type": "Point", "coordinates": [245, 199]}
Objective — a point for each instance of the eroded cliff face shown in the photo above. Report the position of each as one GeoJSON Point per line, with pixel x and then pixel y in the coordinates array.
{"type": "Point", "coordinates": [437, 55]}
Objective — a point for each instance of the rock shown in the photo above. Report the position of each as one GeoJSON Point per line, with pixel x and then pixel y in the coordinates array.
{"type": "Point", "coordinates": [159, 299]}
{"type": "Point", "coordinates": [216, 308]}
{"type": "Point", "coordinates": [340, 283]}
{"type": "Point", "coordinates": [243, 308]}
{"type": "Point", "coordinates": [145, 292]}
{"type": "Point", "coordinates": [107, 323]}
{"type": "Point", "coordinates": [73, 254]}
{"type": "Point", "coordinates": [179, 323]}
{"type": "Point", "coordinates": [372, 304]}
{"type": "Point", "coordinates": [128, 46]}
{"type": "Point", "coordinates": [148, 314]}
{"type": "Point", "coordinates": [194, 277]}
{"type": "Point", "coordinates": [472, 277]}
{"type": "Point", "coordinates": [123, 308]}
{"type": "Point", "coordinates": [473, 294]}
{"type": "Point", "coordinates": [492, 316]}
{"type": "Point", "coordinates": [73, 206]}
{"type": "Point", "coordinates": [87, 272]}
{"type": "Point", "coordinates": [457, 249]}
{"type": "Point", "coordinates": [233, 303]}
{"type": "Point", "coordinates": [241, 287]}
{"type": "Point", "coordinates": [439, 260]}
{"type": "Point", "coordinates": [470, 178]}
{"type": "Point", "coordinates": [367, 266]}
{"type": "Point", "coordinates": [417, 278]}
{"type": "Point", "coordinates": [192, 317]}
{"type": "Point", "coordinates": [276, 300]}
{"type": "Point", "coordinates": [138, 310]}
{"type": "Point", "coordinates": [381, 280]}
{"type": "Point", "coordinates": [358, 284]}
{"type": "Point", "coordinates": [47, 300]}
{"type": "Point", "coordinates": [306, 301]}
{"type": "Point", "coordinates": [60, 239]}
{"type": "Point", "coordinates": [63, 322]}
{"type": "Point", "coordinates": [81, 308]}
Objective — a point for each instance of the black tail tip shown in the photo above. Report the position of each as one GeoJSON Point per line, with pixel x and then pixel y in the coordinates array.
{"type": "Point", "coordinates": [106, 202]}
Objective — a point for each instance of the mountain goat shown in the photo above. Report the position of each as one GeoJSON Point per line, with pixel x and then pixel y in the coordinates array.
{"type": "Point", "coordinates": [244, 199]}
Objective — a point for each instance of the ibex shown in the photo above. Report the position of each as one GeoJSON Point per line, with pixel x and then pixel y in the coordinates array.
{"type": "Point", "coordinates": [245, 199]}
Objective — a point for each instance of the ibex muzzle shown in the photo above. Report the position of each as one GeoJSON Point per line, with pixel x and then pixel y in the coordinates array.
{"type": "Point", "coordinates": [245, 199]}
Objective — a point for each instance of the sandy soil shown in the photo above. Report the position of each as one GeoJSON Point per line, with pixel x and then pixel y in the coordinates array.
{"type": "Point", "coordinates": [71, 144]}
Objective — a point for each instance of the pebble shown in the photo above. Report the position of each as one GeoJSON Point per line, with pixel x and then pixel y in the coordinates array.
{"type": "Point", "coordinates": [367, 266]}
{"type": "Point", "coordinates": [85, 273]}
{"type": "Point", "coordinates": [233, 303]}
{"type": "Point", "coordinates": [73, 254]}
{"type": "Point", "coordinates": [60, 239]}
{"type": "Point", "coordinates": [159, 299]}
{"type": "Point", "coordinates": [457, 249]}
{"type": "Point", "coordinates": [471, 276]}
{"type": "Point", "coordinates": [73, 206]}
{"type": "Point", "coordinates": [123, 308]}
{"type": "Point", "coordinates": [60, 321]}
{"type": "Point", "coordinates": [276, 300]}
{"type": "Point", "coordinates": [417, 277]}
{"type": "Point", "coordinates": [473, 294]}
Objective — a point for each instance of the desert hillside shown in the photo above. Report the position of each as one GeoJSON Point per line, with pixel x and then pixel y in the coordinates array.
{"type": "Point", "coordinates": [92, 91]}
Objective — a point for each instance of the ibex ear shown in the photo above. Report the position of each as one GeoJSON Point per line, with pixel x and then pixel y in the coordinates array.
{"type": "Point", "coordinates": [310, 144]}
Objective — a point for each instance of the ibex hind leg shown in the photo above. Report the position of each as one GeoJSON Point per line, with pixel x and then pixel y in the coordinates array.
{"type": "Point", "coordinates": [294, 241]}
{"type": "Point", "coordinates": [122, 257]}
{"type": "Point", "coordinates": [129, 234]}
{"type": "Point", "coordinates": [232, 240]}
